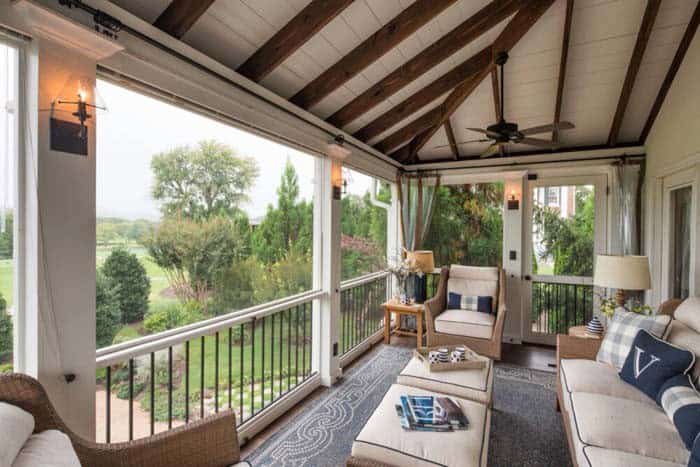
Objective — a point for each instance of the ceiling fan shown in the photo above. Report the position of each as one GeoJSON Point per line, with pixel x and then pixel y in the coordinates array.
{"type": "Point", "coordinates": [503, 132]}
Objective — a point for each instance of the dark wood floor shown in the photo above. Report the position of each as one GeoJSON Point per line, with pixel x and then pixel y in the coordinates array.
{"type": "Point", "coordinates": [528, 356]}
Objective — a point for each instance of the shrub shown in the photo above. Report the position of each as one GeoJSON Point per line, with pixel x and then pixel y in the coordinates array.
{"type": "Point", "coordinates": [5, 332]}
{"type": "Point", "coordinates": [108, 316]}
{"type": "Point", "coordinates": [126, 272]}
{"type": "Point", "coordinates": [172, 316]}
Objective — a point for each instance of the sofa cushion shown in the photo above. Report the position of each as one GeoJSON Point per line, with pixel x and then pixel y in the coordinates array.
{"type": "Point", "coordinates": [16, 426]}
{"type": "Point", "coordinates": [622, 330]}
{"type": "Point", "coordinates": [382, 438]}
{"type": "Point", "coordinates": [475, 385]}
{"type": "Point", "coordinates": [625, 425]}
{"type": "Point", "coordinates": [597, 378]}
{"type": "Point", "coordinates": [599, 457]}
{"type": "Point", "coordinates": [50, 448]}
{"type": "Point", "coordinates": [682, 335]}
{"type": "Point", "coordinates": [465, 323]}
{"type": "Point", "coordinates": [651, 362]}
{"type": "Point", "coordinates": [688, 312]}
{"type": "Point", "coordinates": [681, 402]}
{"type": "Point", "coordinates": [473, 281]}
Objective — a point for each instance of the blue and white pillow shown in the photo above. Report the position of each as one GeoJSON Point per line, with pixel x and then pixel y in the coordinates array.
{"type": "Point", "coordinates": [695, 453]}
{"type": "Point", "coordinates": [681, 402]}
{"type": "Point", "coordinates": [622, 329]}
{"type": "Point", "coordinates": [651, 362]}
{"type": "Point", "coordinates": [456, 301]}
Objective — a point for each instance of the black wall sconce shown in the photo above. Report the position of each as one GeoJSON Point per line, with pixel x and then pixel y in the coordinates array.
{"type": "Point", "coordinates": [513, 201]}
{"type": "Point", "coordinates": [78, 98]}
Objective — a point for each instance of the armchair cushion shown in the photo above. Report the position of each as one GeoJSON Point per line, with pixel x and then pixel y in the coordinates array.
{"type": "Point", "coordinates": [465, 323]}
{"type": "Point", "coordinates": [16, 426]}
{"type": "Point", "coordinates": [50, 448]}
{"type": "Point", "coordinates": [474, 281]}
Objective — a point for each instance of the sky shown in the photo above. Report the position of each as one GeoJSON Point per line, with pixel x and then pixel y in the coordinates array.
{"type": "Point", "coordinates": [136, 127]}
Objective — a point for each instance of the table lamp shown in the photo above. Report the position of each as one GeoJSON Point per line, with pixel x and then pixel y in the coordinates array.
{"type": "Point", "coordinates": [425, 263]}
{"type": "Point", "coordinates": [622, 273]}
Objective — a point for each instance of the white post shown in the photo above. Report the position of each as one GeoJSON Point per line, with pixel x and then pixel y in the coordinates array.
{"type": "Point", "coordinates": [327, 261]}
{"type": "Point", "coordinates": [513, 267]}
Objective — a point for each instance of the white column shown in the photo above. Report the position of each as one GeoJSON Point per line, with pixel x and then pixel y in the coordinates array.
{"type": "Point", "coordinates": [327, 263]}
{"type": "Point", "coordinates": [513, 242]}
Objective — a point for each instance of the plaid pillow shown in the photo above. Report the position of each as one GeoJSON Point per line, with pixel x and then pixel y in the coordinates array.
{"type": "Point", "coordinates": [681, 402]}
{"type": "Point", "coordinates": [622, 329]}
{"type": "Point", "coordinates": [476, 303]}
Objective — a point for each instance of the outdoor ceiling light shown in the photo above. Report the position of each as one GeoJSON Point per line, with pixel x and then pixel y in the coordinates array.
{"type": "Point", "coordinates": [79, 99]}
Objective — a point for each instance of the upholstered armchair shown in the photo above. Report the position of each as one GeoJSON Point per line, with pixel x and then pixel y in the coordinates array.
{"type": "Point", "coordinates": [481, 332]}
{"type": "Point", "coordinates": [210, 442]}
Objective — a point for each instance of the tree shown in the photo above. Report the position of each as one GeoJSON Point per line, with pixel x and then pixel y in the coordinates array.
{"type": "Point", "coordinates": [127, 273]}
{"type": "Point", "coordinates": [194, 253]}
{"type": "Point", "coordinates": [202, 182]}
{"type": "Point", "coordinates": [5, 332]}
{"type": "Point", "coordinates": [108, 316]}
{"type": "Point", "coordinates": [6, 237]}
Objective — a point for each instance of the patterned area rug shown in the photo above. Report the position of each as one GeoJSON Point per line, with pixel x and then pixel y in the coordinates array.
{"type": "Point", "coordinates": [524, 424]}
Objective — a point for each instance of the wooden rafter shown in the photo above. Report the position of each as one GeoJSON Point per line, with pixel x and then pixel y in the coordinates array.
{"type": "Point", "coordinates": [671, 74]}
{"type": "Point", "coordinates": [475, 64]}
{"type": "Point", "coordinates": [181, 15]}
{"type": "Point", "coordinates": [639, 47]}
{"type": "Point", "coordinates": [514, 31]}
{"type": "Point", "coordinates": [562, 65]}
{"type": "Point", "coordinates": [386, 38]}
{"type": "Point", "coordinates": [456, 39]}
{"type": "Point", "coordinates": [293, 35]}
{"type": "Point", "coordinates": [451, 139]}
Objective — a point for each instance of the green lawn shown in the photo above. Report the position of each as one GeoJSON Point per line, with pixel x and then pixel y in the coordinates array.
{"type": "Point", "coordinates": [6, 280]}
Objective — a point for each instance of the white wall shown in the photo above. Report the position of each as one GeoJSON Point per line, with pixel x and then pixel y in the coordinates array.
{"type": "Point", "coordinates": [672, 147]}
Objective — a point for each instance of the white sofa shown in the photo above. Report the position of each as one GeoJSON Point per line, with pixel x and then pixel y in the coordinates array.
{"type": "Point", "coordinates": [611, 423]}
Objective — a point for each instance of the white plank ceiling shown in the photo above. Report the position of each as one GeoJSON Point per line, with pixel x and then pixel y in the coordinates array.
{"type": "Point", "coordinates": [603, 36]}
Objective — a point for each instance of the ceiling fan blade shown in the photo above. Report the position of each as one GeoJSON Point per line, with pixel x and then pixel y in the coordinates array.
{"type": "Point", "coordinates": [540, 143]}
{"type": "Point", "coordinates": [491, 151]}
{"type": "Point", "coordinates": [488, 133]}
{"type": "Point", "coordinates": [548, 128]}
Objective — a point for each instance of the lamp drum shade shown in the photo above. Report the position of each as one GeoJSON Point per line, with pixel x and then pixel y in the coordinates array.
{"type": "Point", "coordinates": [622, 272]}
{"type": "Point", "coordinates": [423, 259]}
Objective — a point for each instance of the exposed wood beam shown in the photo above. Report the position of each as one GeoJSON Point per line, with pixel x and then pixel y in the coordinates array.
{"type": "Point", "coordinates": [514, 31]}
{"type": "Point", "coordinates": [451, 139]}
{"type": "Point", "coordinates": [639, 47]}
{"type": "Point", "coordinates": [671, 74]}
{"type": "Point", "coordinates": [293, 35]}
{"type": "Point", "coordinates": [460, 36]}
{"type": "Point", "coordinates": [181, 15]}
{"type": "Point", "coordinates": [386, 38]}
{"type": "Point", "coordinates": [562, 65]}
{"type": "Point", "coordinates": [426, 95]}
{"type": "Point", "coordinates": [496, 102]}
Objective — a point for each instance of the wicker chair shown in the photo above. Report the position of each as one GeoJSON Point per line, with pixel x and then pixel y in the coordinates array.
{"type": "Point", "coordinates": [490, 347]}
{"type": "Point", "coordinates": [211, 442]}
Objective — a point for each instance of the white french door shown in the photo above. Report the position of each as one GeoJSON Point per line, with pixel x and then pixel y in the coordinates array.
{"type": "Point", "coordinates": [565, 227]}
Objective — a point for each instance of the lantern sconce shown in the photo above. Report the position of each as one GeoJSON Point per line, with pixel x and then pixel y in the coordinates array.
{"type": "Point", "coordinates": [79, 99]}
{"type": "Point", "coordinates": [337, 153]}
{"type": "Point", "coordinates": [513, 201]}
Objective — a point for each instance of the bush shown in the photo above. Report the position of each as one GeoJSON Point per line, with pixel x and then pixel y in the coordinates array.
{"type": "Point", "coordinates": [5, 332]}
{"type": "Point", "coordinates": [108, 316]}
{"type": "Point", "coordinates": [172, 316]}
{"type": "Point", "coordinates": [126, 272]}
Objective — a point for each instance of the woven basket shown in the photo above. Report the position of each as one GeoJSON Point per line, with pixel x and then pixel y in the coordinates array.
{"type": "Point", "coordinates": [472, 360]}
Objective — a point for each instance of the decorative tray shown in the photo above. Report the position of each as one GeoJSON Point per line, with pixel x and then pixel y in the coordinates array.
{"type": "Point", "coordinates": [472, 359]}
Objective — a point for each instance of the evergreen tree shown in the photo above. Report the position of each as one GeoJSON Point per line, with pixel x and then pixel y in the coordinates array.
{"type": "Point", "coordinates": [108, 317]}
{"type": "Point", "coordinates": [5, 332]}
{"type": "Point", "coordinates": [127, 273]}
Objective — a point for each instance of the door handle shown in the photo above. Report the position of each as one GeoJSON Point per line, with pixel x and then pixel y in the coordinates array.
{"type": "Point", "coordinates": [527, 278]}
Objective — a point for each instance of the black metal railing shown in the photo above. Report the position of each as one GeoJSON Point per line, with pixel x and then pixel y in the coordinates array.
{"type": "Point", "coordinates": [246, 366]}
{"type": "Point", "coordinates": [558, 306]}
{"type": "Point", "coordinates": [361, 313]}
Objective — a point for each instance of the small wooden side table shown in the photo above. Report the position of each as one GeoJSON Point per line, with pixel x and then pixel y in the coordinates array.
{"type": "Point", "coordinates": [393, 306]}
{"type": "Point", "coordinates": [580, 331]}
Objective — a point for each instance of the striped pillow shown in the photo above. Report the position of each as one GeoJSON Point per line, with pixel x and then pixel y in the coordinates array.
{"type": "Point", "coordinates": [622, 329]}
{"type": "Point", "coordinates": [681, 402]}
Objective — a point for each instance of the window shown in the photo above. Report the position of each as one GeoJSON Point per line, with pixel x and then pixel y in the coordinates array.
{"type": "Point", "coordinates": [195, 218]}
{"type": "Point", "coordinates": [467, 225]}
{"type": "Point", "coordinates": [681, 205]}
{"type": "Point", "coordinates": [365, 206]}
{"type": "Point", "coordinates": [553, 196]}
{"type": "Point", "coordinates": [8, 200]}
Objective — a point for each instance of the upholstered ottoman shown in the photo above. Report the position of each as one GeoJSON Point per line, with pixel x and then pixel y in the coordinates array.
{"type": "Point", "coordinates": [473, 385]}
{"type": "Point", "coordinates": [382, 441]}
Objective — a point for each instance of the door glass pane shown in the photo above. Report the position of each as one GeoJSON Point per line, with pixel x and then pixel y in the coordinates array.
{"type": "Point", "coordinates": [681, 201]}
{"type": "Point", "coordinates": [563, 230]}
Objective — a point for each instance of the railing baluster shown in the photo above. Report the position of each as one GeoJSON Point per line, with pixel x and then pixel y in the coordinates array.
{"type": "Point", "coordinates": [201, 377]}
{"type": "Point", "coordinates": [187, 382]}
{"type": "Point", "coordinates": [303, 349]}
{"type": "Point", "coordinates": [216, 372]}
{"type": "Point", "coordinates": [280, 350]}
{"type": "Point", "coordinates": [131, 399]}
{"type": "Point", "coordinates": [272, 359]}
{"type": "Point", "coordinates": [262, 364]}
{"type": "Point", "coordinates": [170, 388]}
{"type": "Point", "coordinates": [240, 388]}
{"type": "Point", "coordinates": [230, 364]}
{"type": "Point", "coordinates": [252, 368]}
{"type": "Point", "coordinates": [153, 393]}
{"type": "Point", "coordinates": [108, 405]}
{"type": "Point", "coordinates": [296, 345]}
{"type": "Point", "coordinates": [289, 348]}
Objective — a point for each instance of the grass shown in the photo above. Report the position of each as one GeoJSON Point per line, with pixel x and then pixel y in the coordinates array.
{"type": "Point", "coordinates": [6, 280]}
